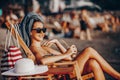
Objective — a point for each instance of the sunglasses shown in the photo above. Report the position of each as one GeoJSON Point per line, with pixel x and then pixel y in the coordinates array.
{"type": "Point", "coordinates": [38, 30]}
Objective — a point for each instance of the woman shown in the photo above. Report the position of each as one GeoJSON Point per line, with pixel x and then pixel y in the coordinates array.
{"type": "Point", "coordinates": [32, 31]}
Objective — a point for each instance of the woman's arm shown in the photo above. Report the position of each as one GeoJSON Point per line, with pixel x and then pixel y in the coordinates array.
{"type": "Point", "coordinates": [52, 51]}
{"type": "Point", "coordinates": [58, 44]}
{"type": "Point", "coordinates": [51, 59]}
{"type": "Point", "coordinates": [66, 56]}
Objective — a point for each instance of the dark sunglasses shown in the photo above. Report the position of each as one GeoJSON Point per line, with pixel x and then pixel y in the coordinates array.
{"type": "Point", "coordinates": [38, 30]}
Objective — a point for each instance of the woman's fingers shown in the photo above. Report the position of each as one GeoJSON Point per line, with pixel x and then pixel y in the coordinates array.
{"type": "Point", "coordinates": [74, 49]}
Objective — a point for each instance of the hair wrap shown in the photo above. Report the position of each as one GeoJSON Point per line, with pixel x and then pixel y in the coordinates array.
{"type": "Point", "coordinates": [26, 26]}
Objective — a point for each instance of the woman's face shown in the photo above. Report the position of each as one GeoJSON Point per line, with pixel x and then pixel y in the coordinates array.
{"type": "Point", "coordinates": [37, 32]}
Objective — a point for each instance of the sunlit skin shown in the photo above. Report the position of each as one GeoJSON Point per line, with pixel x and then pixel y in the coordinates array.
{"type": "Point", "coordinates": [88, 60]}
{"type": "Point", "coordinates": [38, 37]}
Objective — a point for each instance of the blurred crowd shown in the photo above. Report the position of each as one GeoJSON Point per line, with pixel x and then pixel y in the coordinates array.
{"type": "Point", "coordinates": [69, 24]}
{"type": "Point", "coordinates": [80, 24]}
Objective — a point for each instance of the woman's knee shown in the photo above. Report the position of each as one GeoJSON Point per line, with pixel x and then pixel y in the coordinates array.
{"type": "Point", "coordinates": [96, 69]}
{"type": "Point", "coordinates": [89, 50]}
{"type": "Point", "coordinates": [93, 64]}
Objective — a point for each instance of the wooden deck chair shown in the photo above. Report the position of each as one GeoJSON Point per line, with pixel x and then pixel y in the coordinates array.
{"type": "Point", "coordinates": [52, 70]}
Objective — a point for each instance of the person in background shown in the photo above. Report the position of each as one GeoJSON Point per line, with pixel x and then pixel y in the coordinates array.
{"type": "Point", "coordinates": [75, 24]}
{"type": "Point", "coordinates": [85, 25]}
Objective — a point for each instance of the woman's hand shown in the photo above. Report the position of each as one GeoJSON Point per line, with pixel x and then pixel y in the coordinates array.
{"type": "Point", "coordinates": [50, 42]}
{"type": "Point", "coordinates": [74, 51]}
{"type": "Point", "coordinates": [58, 44]}
{"type": "Point", "coordinates": [71, 52]}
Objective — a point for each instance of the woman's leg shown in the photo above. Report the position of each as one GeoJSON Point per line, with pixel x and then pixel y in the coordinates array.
{"type": "Point", "coordinates": [88, 34]}
{"type": "Point", "coordinates": [93, 66]}
{"type": "Point", "coordinates": [90, 53]}
{"type": "Point", "coordinates": [82, 35]}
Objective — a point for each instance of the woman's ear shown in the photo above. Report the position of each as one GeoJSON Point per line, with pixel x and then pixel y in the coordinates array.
{"type": "Point", "coordinates": [30, 34]}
